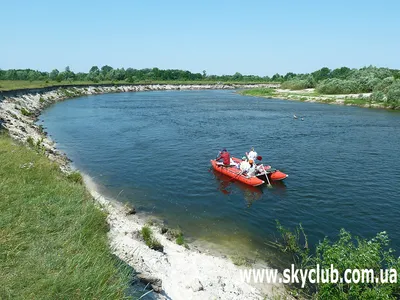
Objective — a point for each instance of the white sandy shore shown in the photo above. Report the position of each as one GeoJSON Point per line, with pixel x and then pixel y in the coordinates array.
{"type": "Point", "coordinates": [182, 273]}
{"type": "Point", "coordinates": [307, 95]}
{"type": "Point", "coordinates": [185, 274]}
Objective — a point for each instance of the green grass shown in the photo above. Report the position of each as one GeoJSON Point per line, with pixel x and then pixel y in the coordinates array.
{"type": "Point", "coordinates": [75, 177]}
{"type": "Point", "coordinates": [150, 240]}
{"type": "Point", "coordinates": [356, 101]}
{"type": "Point", "coordinates": [262, 92]}
{"type": "Point", "coordinates": [9, 85]}
{"type": "Point", "coordinates": [25, 112]}
{"type": "Point", "coordinates": [311, 94]}
{"type": "Point", "coordinates": [328, 100]}
{"type": "Point", "coordinates": [53, 242]}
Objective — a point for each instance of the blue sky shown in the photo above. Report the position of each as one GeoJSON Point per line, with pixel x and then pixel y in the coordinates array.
{"type": "Point", "coordinates": [221, 37]}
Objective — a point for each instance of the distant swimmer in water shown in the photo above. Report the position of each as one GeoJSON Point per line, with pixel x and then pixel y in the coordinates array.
{"type": "Point", "coordinates": [294, 116]}
{"type": "Point", "coordinates": [302, 119]}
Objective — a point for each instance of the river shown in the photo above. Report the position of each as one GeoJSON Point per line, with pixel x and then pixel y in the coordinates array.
{"type": "Point", "coordinates": [153, 149]}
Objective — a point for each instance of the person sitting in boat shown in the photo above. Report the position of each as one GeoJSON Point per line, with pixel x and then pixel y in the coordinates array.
{"type": "Point", "coordinates": [253, 168]}
{"type": "Point", "coordinates": [226, 158]}
{"type": "Point", "coordinates": [244, 165]}
{"type": "Point", "coordinates": [252, 154]}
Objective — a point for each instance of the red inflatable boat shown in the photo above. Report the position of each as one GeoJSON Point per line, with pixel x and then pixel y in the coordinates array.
{"type": "Point", "coordinates": [263, 171]}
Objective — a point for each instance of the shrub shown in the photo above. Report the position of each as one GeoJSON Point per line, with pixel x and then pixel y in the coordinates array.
{"type": "Point", "coordinates": [393, 95]}
{"type": "Point", "coordinates": [41, 100]}
{"type": "Point", "coordinates": [30, 141]}
{"type": "Point", "coordinates": [75, 177]}
{"type": "Point", "coordinates": [378, 96]}
{"type": "Point", "coordinates": [346, 253]}
{"type": "Point", "coordinates": [299, 84]}
{"type": "Point", "coordinates": [180, 240]}
{"type": "Point", "coordinates": [384, 84]}
{"type": "Point", "coordinates": [25, 112]}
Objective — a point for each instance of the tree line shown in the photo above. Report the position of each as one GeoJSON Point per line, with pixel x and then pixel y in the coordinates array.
{"type": "Point", "coordinates": [383, 83]}
{"type": "Point", "coordinates": [341, 80]}
{"type": "Point", "coordinates": [130, 75]}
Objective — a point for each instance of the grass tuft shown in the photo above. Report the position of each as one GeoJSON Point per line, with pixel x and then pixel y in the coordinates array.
{"type": "Point", "coordinates": [25, 112]}
{"type": "Point", "coordinates": [150, 240]}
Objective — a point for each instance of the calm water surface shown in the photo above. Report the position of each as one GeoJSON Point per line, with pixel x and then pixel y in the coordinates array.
{"type": "Point", "coordinates": [153, 149]}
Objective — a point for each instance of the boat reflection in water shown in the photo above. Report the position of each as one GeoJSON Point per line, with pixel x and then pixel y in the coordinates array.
{"type": "Point", "coordinates": [226, 184]}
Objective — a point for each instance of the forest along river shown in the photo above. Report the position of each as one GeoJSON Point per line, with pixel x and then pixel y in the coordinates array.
{"type": "Point", "coordinates": [154, 149]}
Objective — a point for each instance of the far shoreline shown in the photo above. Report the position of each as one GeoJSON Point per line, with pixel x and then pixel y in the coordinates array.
{"type": "Point", "coordinates": [309, 95]}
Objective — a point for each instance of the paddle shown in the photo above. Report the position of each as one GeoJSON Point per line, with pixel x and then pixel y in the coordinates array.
{"type": "Point", "coordinates": [266, 175]}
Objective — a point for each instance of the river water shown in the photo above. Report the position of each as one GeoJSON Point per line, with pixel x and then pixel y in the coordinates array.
{"type": "Point", "coordinates": [154, 149]}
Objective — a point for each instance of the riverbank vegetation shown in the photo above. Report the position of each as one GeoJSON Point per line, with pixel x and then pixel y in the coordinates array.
{"type": "Point", "coordinates": [27, 78]}
{"type": "Point", "coordinates": [53, 239]}
{"type": "Point", "coordinates": [348, 252]}
{"type": "Point", "coordinates": [382, 83]}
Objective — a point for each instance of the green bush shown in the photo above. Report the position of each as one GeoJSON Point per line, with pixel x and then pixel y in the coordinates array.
{"type": "Point", "coordinates": [393, 95]}
{"type": "Point", "coordinates": [384, 84]}
{"type": "Point", "coordinates": [346, 253]}
{"type": "Point", "coordinates": [337, 86]}
{"type": "Point", "coordinates": [30, 141]}
{"type": "Point", "coordinates": [378, 96]}
{"type": "Point", "coordinates": [75, 177]}
{"type": "Point", "coordinates": [180, 240]}
{"type": "Point", "coordinates": [299, 84]}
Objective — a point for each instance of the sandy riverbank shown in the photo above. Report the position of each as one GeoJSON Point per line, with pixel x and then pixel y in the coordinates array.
{"type": "Point", "coordinates": [181, 273]}
{"type": "Point", "coordinates": [310, 95]}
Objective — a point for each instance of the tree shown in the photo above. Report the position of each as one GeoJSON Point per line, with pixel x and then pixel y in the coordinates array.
{"type": "Point", "coordinates": [289, 76]}
{"type": "Point", "coordinates": [321, 74]}
{"type": "Point", "coordinates": [94, 70]}
{"type": "Point", "coordinates": [94, 74]}
{"type": "Point", "coordinates": [341, 73]}
{"type": "Point", "coordinates": [53, 74]}
{"type": "Point", "coordinates": [105, 70]}
{"type": "Point", "coordinates": [237, 76]}
{"type": "Point", "coordinates": [68, 74]}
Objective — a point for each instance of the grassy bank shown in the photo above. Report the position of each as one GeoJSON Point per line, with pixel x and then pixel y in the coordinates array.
{"type": "Point", "coordinates": [259, 92]}
{"type": "Point", "coordinates": [311, 95]}
{"type": "Point", "coordinates": [9, 85]}
{"type": "Point", "coordinates": [53, 242]}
